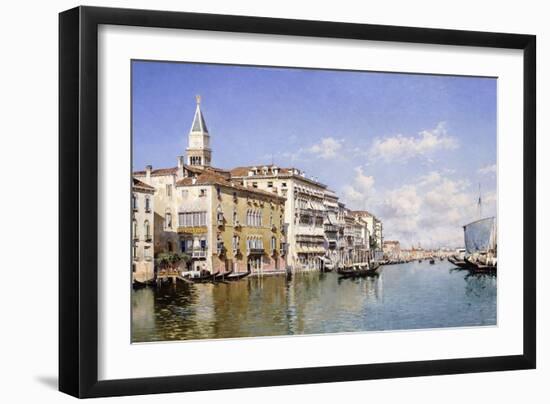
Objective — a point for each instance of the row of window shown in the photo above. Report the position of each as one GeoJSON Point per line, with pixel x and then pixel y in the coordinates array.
{"type": "Point", "coordinates": [135, 203]}
{"type": "Point", "coordinates": [316, 221]}
{"type": "Point", "coordinates": [147, 253]}
{"type": "Point", "coordinates": [192, 219]}
{"type": "Point", "coordinates": [254, 218]}
{"type": "Point", "coordinates": [146, 229]}
{"type": "Point", "coordinates": [188, 245]}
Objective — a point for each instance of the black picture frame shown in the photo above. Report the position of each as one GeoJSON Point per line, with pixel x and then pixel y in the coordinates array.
{"type": "Point", "coordinates": [78, 201]}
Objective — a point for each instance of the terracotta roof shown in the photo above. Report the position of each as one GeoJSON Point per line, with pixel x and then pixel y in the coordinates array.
{"type": "Point", "coordinates": [139, 184]}
{"type": "Point", "coordinates": [159, 171]}
{"type": "Point", "coordinates": [243, 171]}
{"type": "Point", "coordinates": [212, 177]}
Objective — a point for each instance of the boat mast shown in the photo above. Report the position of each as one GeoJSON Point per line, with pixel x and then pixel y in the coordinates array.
{"type": "Point", "coordinates": [479, 201]}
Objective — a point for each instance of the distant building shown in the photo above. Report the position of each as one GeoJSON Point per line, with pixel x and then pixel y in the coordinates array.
{"type": "Point", "coordinates": [356, 239]}
{"type": "Point", "coordinates": [142, 231]}
{"type": "Point", "coordinates": [392, 249]}
{"type": "Point", "coordinates": [375, 231]}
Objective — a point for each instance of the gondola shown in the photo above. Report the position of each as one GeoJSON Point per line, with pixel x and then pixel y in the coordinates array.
{"type": "Point", "coordinates": [236, 276]}
{"type": "Point", "coordinates": [202, 278]}
{"type": "Point", "coordinates": [432, 261]}
{"type": "Point", "coordinates": [222, 275]}
{"type": "Point", "coordinates": [358, 273]}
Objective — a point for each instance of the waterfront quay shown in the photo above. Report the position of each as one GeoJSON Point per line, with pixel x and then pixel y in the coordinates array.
{"type": "Point", "coordinates": [414, 295]}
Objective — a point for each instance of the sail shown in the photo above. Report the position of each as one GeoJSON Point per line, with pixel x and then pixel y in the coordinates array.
{"type": "Point", "coordinates": [480, 235]}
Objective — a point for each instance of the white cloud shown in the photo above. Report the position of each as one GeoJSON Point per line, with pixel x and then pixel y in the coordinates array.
{"type": "Point", "coordinates": [327, 148]}
{"type": "Point", "coordinates": [361, 189]}
{"type": "Point", "coordinates": [402, 202]}
{"type": "Point", "coordinates": [404, 148]}
{"type": "Point", "coordinates": [431, 210]}
{"type": "Point", "coordinates": [488, 169]}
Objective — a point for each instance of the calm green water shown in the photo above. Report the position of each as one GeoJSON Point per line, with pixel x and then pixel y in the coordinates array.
{"type": "Point", "coordinates": [406, 296]}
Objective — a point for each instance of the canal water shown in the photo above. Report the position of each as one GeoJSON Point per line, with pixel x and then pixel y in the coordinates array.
{"type": "Point", "coordinates": [403, 297]}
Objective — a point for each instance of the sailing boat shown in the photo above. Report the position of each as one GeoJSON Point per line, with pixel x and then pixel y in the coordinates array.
{"type": "Point", "coordinates": [480, 240]}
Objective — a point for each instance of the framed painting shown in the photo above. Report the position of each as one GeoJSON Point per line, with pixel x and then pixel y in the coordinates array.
{"type": "Point", "coordinates": [272, 202]}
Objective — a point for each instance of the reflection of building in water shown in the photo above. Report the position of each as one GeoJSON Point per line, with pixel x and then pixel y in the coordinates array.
{"type": "Point", "coordinates": [204, 316]}
{"type": "Point", "coordinates": [373, 287]}
{"type": "Point", "coordinates": [143, 311]}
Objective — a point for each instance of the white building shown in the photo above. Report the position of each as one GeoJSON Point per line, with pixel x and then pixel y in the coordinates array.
{"type": "Point", "coordinates": [142, 232]}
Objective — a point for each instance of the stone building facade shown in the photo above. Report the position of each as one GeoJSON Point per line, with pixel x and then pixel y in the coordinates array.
{"type": "Point", "coordinates": [392, 249]}
{"type": "Point", "coordinates": [142, 232]}
{"type": "Point", "coordinates": [304, 210]}
{"type": "Point", "coordinates": [226, 227]}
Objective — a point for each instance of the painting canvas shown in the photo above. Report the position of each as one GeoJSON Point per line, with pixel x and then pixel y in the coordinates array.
{"type": "Point", "coordinates": [280, 201]}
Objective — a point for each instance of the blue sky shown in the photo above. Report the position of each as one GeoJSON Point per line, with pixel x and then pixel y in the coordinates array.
{"type": "Point", "coordinates": [411, 148]}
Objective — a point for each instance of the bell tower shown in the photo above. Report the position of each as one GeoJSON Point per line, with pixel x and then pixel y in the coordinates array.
{"type": "Point", "coordinates": [198, 150]}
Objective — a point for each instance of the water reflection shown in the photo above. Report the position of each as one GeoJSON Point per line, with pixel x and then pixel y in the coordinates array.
{"type": "Point", "coordinates": [408, 296]}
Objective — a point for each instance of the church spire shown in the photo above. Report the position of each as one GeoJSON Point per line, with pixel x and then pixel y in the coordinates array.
{"type": "Point", "coordinates": [198, 150]}
{"type": "Point", "coordinates": [199, 125]}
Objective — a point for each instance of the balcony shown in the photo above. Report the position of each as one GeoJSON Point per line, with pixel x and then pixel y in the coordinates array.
{"type": "Point", "coordinates": [148, 258]}
{"type": "Point", "coordinates": [135, 237]}
{"type": "Point", "coordinates": [198, 253]}
{"type": "Point", "coordinates": [135, 258]}
{"type": "Point", "coordinates": [331, 228]}
{"type": "Point", "coordinates": [237, 225]}
{"type": "Point", "coordinates": [149, 237]}
{"type": "Point", "coordinates": [255, 251]}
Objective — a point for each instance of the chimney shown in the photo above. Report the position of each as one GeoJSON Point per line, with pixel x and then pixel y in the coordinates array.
{"type": "Point", "coordinates": [180, 166]}
{"type": "Point", "coordinates": [148, 170]}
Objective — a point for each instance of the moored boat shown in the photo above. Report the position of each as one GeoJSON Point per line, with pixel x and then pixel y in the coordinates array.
{"type": "Point", "coordinates": [358, 271]}
{"type": "Point", "coordinates": [480, 239]}
{"type": "Point", "coordinates": [235, 276]}
{"type": "Point", "coordinates": [460, 263]}
{"type": "Point", "coordinates": [222, 275]}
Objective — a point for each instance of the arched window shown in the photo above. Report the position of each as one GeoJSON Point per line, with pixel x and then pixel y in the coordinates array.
{"type": "Point", "coordinates": [134, 202]}
{"type": "Point", "coordinates": [168, 220]}
{"type": "Point", "coordinates": [147, 204]}
{"type": "Point", "coordinates": [135, 228]}
{"type": "Point", "coordinates": [147, 230]}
